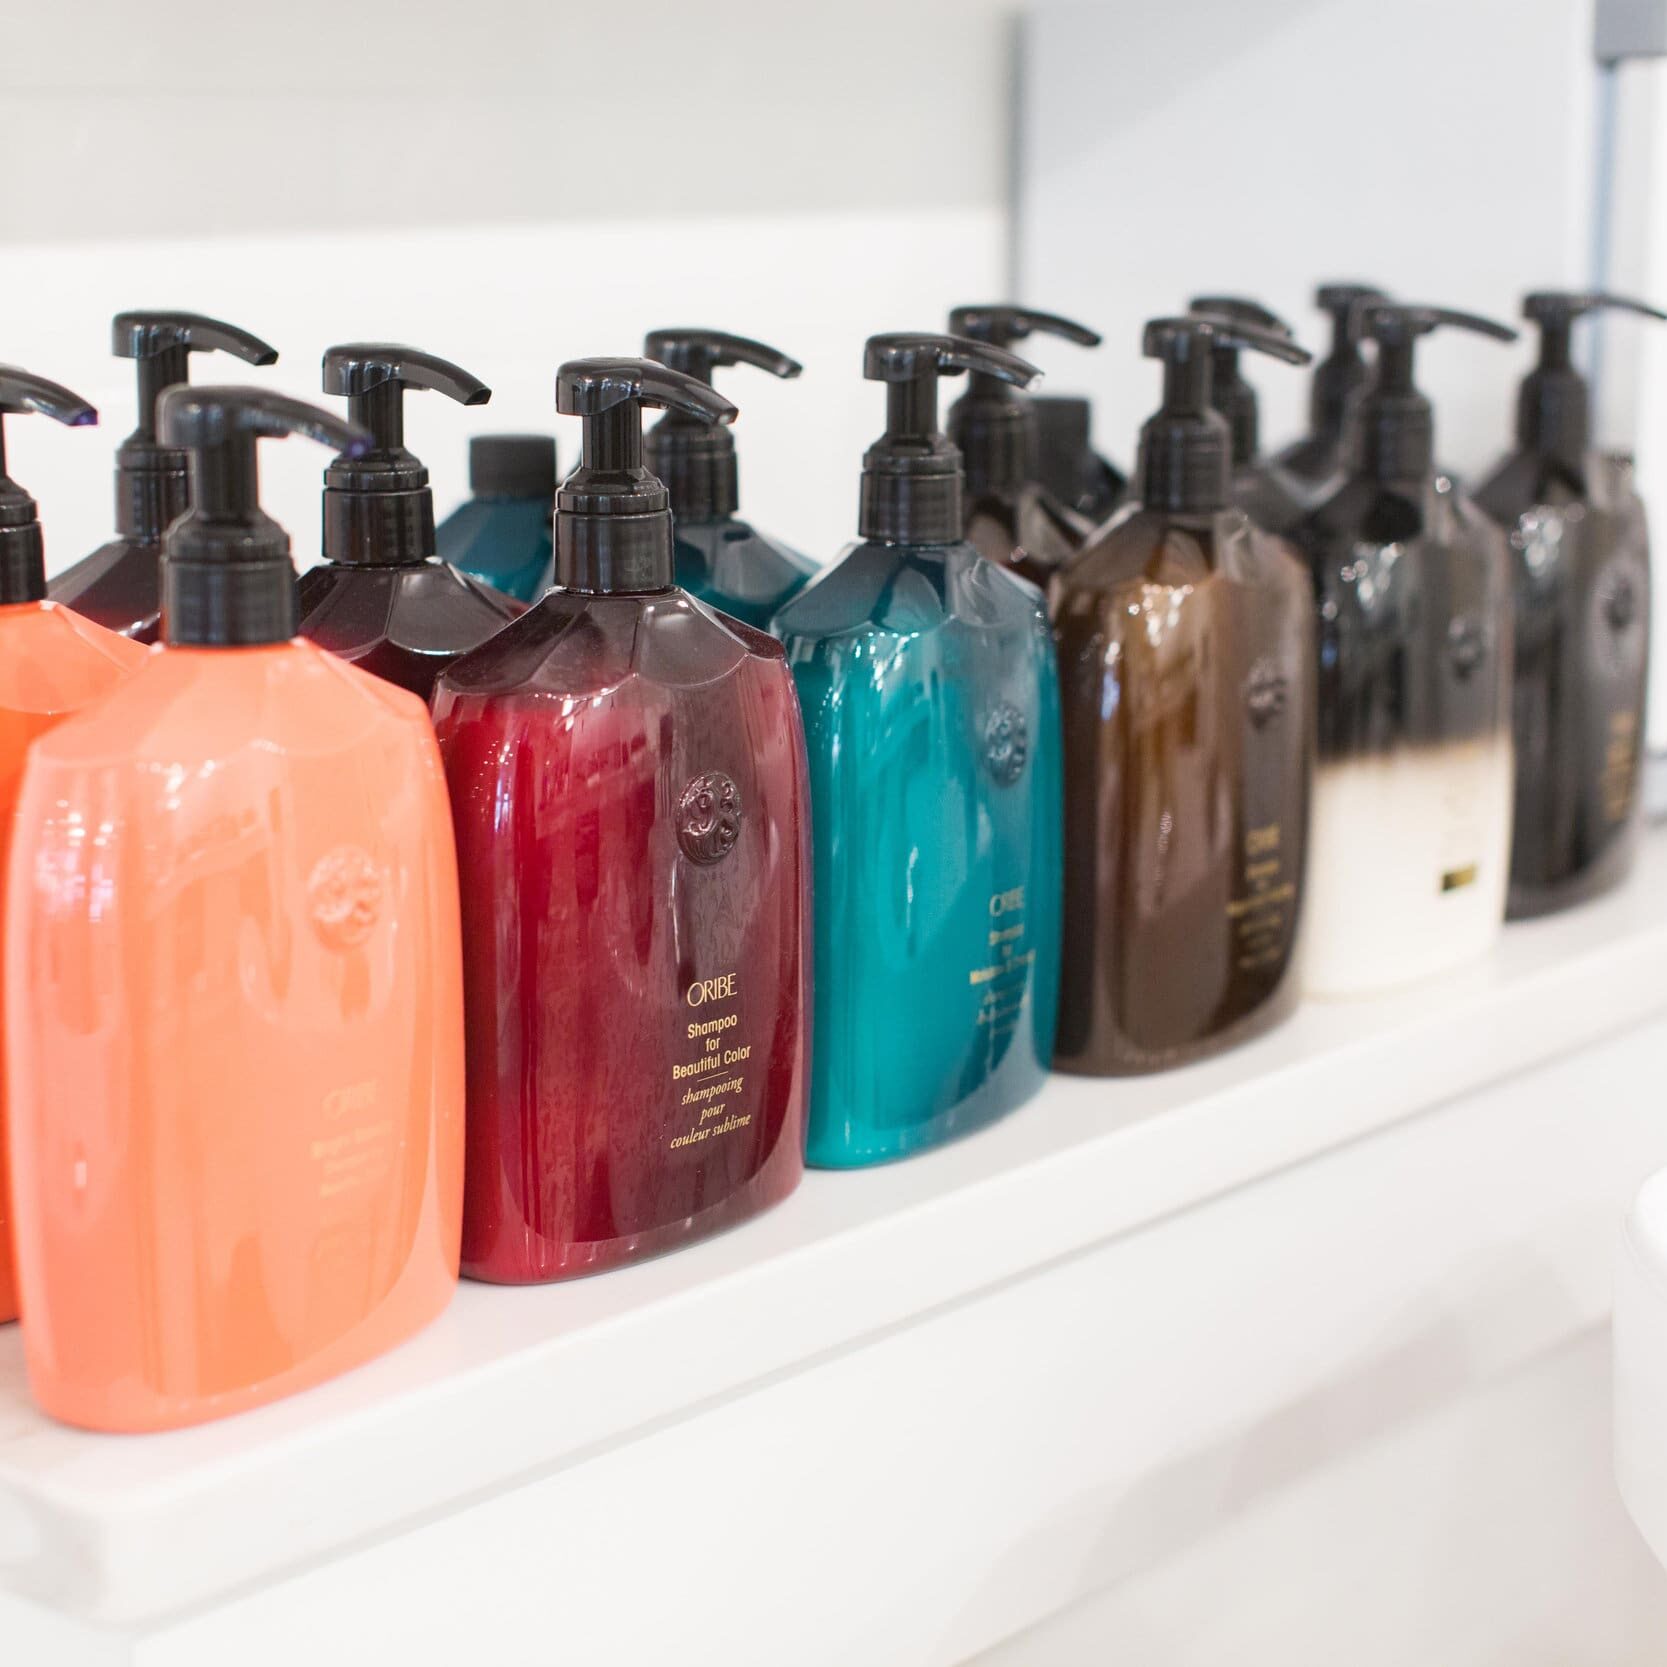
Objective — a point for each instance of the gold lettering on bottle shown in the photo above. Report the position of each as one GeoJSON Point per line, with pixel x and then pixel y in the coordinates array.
{"type": "Point", "coordinates": [703, 990]}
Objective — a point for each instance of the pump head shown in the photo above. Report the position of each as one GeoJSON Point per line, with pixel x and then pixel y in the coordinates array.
{"type": "Point", "coordinates": [1342, 372]}
{"type": "Point", "coordinates": [613, 517]}
{"type": "Point", "coordinates": [1392, 425]}
{"type": "Point", "coordinates": [993, 424]}
{"type": "Point", "coordinates": [911, 475]}
{"type": "Point", "coordinates": [1231, 395]}
{"type": "Point", "coordinates": [378, 508]}
{"type": "Point", "coordinates": [227, 580]}
{"type": "Point", "coordinates": [694, 456]}
{"type": "Point", "coordinates": [1186, 445]}
{"type": "Point", "coordinates": [1552, 404]}
{"type": "Point", "coordinates": [152, 483]}
{"type": "Point", "coordinates": [22, 554]}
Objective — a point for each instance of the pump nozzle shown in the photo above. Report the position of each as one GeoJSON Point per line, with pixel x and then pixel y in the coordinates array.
{"type": "Point", "coordinates": [22, 554]}
{"type": "Point", "coordinates": [378, 508]}
{"type": "Point", "coordinates": [911, 475]}
{"type": "Point", "coordinates": [152, 486]}
{"type": "Point", "coordinates": [226, 573]}
{"type": "Point", "coordinates": [994, 426]}
{"type": "Point", "coordinates": [692, 455]}
{"type": "Point", "coordinates": [1186, 445]}
{"type": "Point", "coordinates": [613, 517]}
{"type": "Point", "coordinates": [1230, 393]}
{"type": "Point", "coordinates": [1552, 413]}
{"type": "Point", "coordinates": [1393, 426]}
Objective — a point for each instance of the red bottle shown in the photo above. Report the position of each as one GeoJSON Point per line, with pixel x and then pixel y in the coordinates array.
{"type": "Point", "coordinates": [628, 786]}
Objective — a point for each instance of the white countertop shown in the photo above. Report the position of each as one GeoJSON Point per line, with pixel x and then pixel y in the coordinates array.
{"type": "Point", "coordinates": [511, 1384]}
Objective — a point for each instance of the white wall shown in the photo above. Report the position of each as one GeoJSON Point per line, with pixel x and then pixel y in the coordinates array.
{"type": "Point", "coordinates": [508, 183]}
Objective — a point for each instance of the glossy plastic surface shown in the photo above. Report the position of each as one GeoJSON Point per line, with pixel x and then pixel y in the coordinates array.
{"type": "Point", "coordinates": [627, 777]}
{"type": "Point", "coordinates": [1580, 563]}
{"type": "Point", "coordinates": [1186, 656]}
{"type": "Point", "coordinates": [731, 566]}
{"type": "Point", "coordinates": [406, 623]}
{"type": "Point", "coordinates": [1412, 802]}
{"type": "Point", "coordinates": [52, 663]}
{"type": "Point", "coordinates": [1027, 532]}
{"type": "Point", "coordinates": [119, 586]}
{"type": "Point", "coordinates": [237, 1083]}
{"type": "Point", "coordinates": [504, 542]}
{"type": "Point", "coordinates": [931, 706]}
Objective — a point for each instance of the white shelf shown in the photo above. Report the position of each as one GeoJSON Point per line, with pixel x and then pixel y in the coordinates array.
{"type": "Point", "coordinates": [513, 1386]}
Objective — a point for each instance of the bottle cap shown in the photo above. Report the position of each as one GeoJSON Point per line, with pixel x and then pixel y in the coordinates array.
{"type": "Point", "coordinates": [378, 507]}
{"type": "Point", "coordinates": [993, 424]}
{"type": "Point", "coordinates": [152, 479]}
{"type": "Point", "coordinates": [1230, 393]}
{"type": "Point", "coordinates": [911, 475]}
{"type": "Point", "coordinates": [692, 455]}
{"type": "Point", "coordinates": [613, 517]}
{"type": "Point", "coordinates": [1553, 414]}
{"type": "Point", "coordinates": [22, 554]}
{"type": "Point", "coordinates": [1391, 424]}
{"type": "Point", "coordinates": [227, 579]}
{"type": "Point", "coordinates": [512, 466]}
{"type": "Point", "coordinates": [1186, 445]}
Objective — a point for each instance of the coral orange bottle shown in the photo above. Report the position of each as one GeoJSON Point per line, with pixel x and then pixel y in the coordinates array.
{"type": "Point", "coordinates": [51, 662]}
{"type": "Point", "coordinates": [234, 977]}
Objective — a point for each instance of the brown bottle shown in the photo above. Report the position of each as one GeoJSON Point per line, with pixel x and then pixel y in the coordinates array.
{"type": "Point", "coordinates": [1186, 665]}
{"type": "Point", "coordinates": [1010, 517]}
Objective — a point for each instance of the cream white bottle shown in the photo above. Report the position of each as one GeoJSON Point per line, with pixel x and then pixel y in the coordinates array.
{"type": "Point", "coordinates": [1410, 847]}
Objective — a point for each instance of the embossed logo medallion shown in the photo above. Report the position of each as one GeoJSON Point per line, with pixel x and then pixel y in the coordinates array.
{"type": "Point", "coordinates": [1006, 742]}
{"type": "Point", "coordinates": [709, 817]}
{"type": "Point", "coordinates": [344, 897]}
{"type": "Point", "coordinates": [1466, 646]}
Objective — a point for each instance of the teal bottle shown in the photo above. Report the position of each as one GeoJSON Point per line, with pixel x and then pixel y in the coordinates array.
{"type": "Point", "coordinates": [722, 560]}
{"type": "Point", "coordinates": [926, 678]}
{"type": "Point", "coordinates": [502, 534]}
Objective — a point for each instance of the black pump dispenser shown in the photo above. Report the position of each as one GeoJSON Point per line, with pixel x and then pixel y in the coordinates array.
{"type": "Point", "coordinates": [992, 423]}
{"type": "Point", "coordinates": [378, 507]}
{"type": "Point", "coordinates": [151, 478]}
{"type": "Point", "coordinates": [1343, 371]}
{"type": "Point", "coordinates": [227, 579]}
{"type": "Point", "coordinates": [22, 554]}
{"type": "Point", "coordinates": [1391, 425]}
{"type": "Point", "coordinates": [1186, 445]}
{"type": "Point", "coordinates": [911, 475]}
{"type": "Point", "coordinates": [1552, 405]}
{"type": "Point", "coordinates": [1230, 393]}
{"type": "Point", "coordinates": [692, 455]}
{"type": "Point", "coordinates": [613, 517]}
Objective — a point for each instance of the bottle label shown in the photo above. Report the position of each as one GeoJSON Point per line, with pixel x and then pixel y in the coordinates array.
{"type": "Point", "coordinates": [713, 1076]}
{"type": "Point", "coordinates": [1004, 977]}
{"type": "Point", "coordinates": [1261, 916]}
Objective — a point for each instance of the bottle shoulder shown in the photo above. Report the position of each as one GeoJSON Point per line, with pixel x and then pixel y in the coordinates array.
{"type": "Point", "coordinates": [909, 590]}
{"type": "Point", "coordinates": [427, 607]}
{"type": "Point", "coordinates": [54, 660]}
{"type": "Point", "coordinates": [572, 643]}
{"type": "Point", "coordinates": [189, 708]}
{"type": "Point", "coordinates": [1141, 548]}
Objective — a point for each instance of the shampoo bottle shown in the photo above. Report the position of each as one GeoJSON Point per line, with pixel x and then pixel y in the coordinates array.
{"type": "Point", "coordinates": [1412, 793]}
{"type": "Point", "coordinates": [721, 559]}
{"type": "Point", "coordinates": [233, 984]}
{"type": "Point", "coordinates": [1259, 488]}
{"type": "Point", "coordinates": [1580, 564]}
{"type": "Point", "coordinates": [628, 781]}
{"type": "Point", "coordinates": [1338, 377]}
{"type": "Point", "coordinates": [1186, 652]}
{"type": "Point", "coordinates": [501, 535]}
{"type": "Point", "coordinates": [381, 597]}
{"type": "Point", "coordinates": [120, 584]}
{"type": "Point", "coordinates": [1011, 517]}
{"type": "Point", "coordinates": [52, 662]}
{"type": "Point", "coordinates": [931, 707]}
